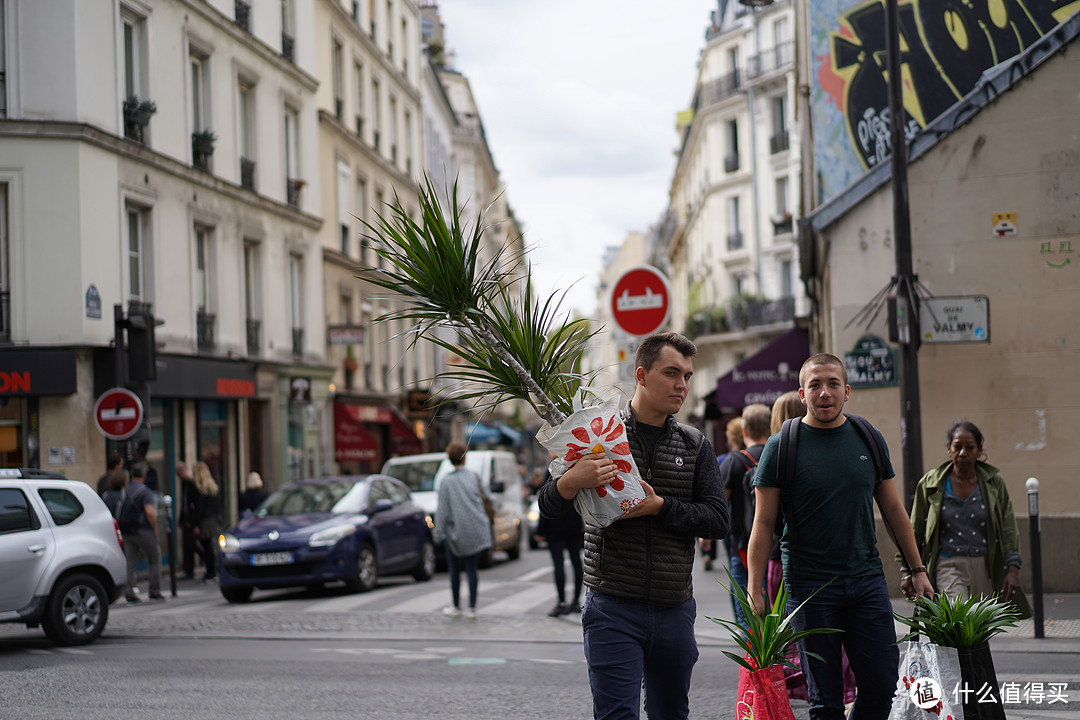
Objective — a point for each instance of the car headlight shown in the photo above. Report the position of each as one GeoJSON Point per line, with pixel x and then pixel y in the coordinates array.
{"type": "Point", "coordinates": [534, 516]}
{"type": "Point", "coordinates": [228, 543]}
{"type": "Point", "coordinates": [331, 536]}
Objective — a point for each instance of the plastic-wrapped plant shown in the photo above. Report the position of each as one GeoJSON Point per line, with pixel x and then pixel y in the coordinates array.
{"type": "Point", "coordinates": [958, 622]}
{"type": "Point", "coordinates": [767, 639]}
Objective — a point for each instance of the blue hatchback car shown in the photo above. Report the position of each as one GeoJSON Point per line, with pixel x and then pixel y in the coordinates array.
{"type": "Point", "coordinates": [312, 532]}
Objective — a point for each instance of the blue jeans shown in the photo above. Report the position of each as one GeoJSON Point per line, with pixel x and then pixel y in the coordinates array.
{"type": "Point", "coordinates": [454, 566]}
{"type": "Point", "coordinates": [742, 578]}
{"type": "Point", "coordinates": [627, 641]}
{"type": "Point", "coordinates": [860, 607]}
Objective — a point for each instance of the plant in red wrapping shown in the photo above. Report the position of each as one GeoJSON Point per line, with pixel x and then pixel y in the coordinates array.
{"type": "Point", "coordinates": [766, 638]}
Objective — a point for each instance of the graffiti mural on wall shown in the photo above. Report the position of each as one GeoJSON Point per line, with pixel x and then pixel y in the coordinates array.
{"type": "Point", "coordinates": [945, 47]}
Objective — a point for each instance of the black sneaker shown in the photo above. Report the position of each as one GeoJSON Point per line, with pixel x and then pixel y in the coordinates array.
{"type": "Point", "coordinates": [157, 596]}
{"type": "Point", "coordinates": [132, 598]}
{"type": "Point", "coordinates": [559, 609]}
{"type": "Point", "coordinates": [573, 607]}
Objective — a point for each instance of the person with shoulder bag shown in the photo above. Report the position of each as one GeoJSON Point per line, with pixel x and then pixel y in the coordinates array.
{"type": "Point", "coordinates": [463, 525]}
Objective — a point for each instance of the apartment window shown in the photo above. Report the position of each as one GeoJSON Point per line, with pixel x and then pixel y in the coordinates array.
{"type": "Point", "coordinates": [390, 30]}
{"type": "Point", "coordinates": [379, 208]}
{"type": "Point", "coordinates": [786, 281]}
{"type": "Point", "coordinates": [375, 117]}
{"type": "Point", "coordinates": [246, 111]}
{"type": "Point", "coordinates": [287, 30]}
{"type": "Point", "coordinates": [738, 284]}
{"type": "Point", "coordinates": [339, 80]}
{"type": "Point", "coordinates": [201, 145]}
{"type": "Point", "coordinates": [5, 272]}
{"type": "Point", "coordinates": [361, 213]}
{"type": "Point", "coordinates": [204, 264]}
{"type": "Point", "coordinates": [138, 222]}
{"type": "Point", "coordinates": [782, 219]}
{"type": "Point", "coordinates": [252, 309]}
{"type": "Point", "coordinates": [293, 183]}
{"type": "Point", "coordinates": [781, 42]}
{"type": "Point", "coordinates": [779, 140]}
{"type": "Point", "coordinates": [731, 160]}
{"type": "Point", "coordinates": [344, 205]}
{"type": "Point", "coordinates": [371, 17]}
{"type": "Point", "coordinates": [134, 79]}
{"type": "Point", "coordinates": [391, 129]}
{"type": "Point", "coordinates": [3, 67]}
{"type": "Point", "coordinates": [734, 238]}
{"type": "Point", "coordinates": [407, 141]}
{"type": "Point", "coordinates": [358, 98]}
{"type": "Point", "coordinates": [296, 302]}
{"type": "Point", "coordinates": [404, 46]}
{"type": "Point", "coordinates": [346, 315]}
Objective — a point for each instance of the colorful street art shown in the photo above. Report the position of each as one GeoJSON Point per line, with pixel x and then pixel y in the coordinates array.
{"type": "Point", "coordinates": [945, 47]}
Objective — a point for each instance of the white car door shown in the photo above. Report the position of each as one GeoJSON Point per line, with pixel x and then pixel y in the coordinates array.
{"type": "Point", "coordinates": [26, 547]}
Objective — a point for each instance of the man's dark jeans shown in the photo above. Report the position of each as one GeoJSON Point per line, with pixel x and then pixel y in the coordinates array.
{"type": "Point", "coordinates": [860, 607]}
{"type": "Point", "coordinates": [627, 640]}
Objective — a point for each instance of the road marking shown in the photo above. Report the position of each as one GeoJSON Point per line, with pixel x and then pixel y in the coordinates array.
{"type": "Point", "coordinates": [537, 573]}
{"type": "Point", "coordinates": [475, 661]}
{"type": "Point", "coordinates": [520, 602]}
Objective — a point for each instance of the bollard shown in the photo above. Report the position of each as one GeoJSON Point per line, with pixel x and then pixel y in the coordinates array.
{"type": "Point", "coordinates": [171, 540]}
{"type": "Point", "coordinates": [1034, 524]}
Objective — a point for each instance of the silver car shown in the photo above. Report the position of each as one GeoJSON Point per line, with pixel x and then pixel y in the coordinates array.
{"type": "Point", "coordinates": [61, 556]}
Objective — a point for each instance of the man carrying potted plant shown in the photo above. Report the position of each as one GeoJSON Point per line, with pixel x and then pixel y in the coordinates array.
{"type": "Point", "coordinates": [829, 546]}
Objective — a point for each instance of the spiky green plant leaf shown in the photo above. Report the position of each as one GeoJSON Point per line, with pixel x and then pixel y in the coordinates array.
{"type": "Point", "coordinates": [958, 622]}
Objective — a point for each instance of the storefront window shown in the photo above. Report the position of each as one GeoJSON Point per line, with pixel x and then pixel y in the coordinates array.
{"type": "Point", "coordinates": [213, 438]}
{"type": "Point", "coordinates": [11, 436]}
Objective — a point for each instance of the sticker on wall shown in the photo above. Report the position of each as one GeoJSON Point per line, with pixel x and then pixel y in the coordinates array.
{"type": "Point", "coordinates": [1004, 224]}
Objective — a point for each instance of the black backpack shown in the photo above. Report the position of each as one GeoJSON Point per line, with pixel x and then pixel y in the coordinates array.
{"type": "Point", "coordinates": [128, 514]}
{"type": "Point", "coordinates": [748, 489]}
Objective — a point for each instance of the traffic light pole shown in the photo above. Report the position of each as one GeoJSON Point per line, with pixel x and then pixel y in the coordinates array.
{"type": "Point", "coordinates": [907, 300]}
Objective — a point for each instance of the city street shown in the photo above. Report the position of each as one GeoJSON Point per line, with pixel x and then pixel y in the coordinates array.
{"type": "Point", "coordinates": [385, 654]}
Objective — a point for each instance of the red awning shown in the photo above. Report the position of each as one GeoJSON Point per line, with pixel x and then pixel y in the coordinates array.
{"type": "Point", "coordinates": [403, 440]}
{"type": "Point", "coordinates": [352, 442]}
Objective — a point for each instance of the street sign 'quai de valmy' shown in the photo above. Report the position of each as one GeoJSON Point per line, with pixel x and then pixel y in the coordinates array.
{"type": "Point", "coordinates": [118, 413]}
{"type": "Point", "coordinates": [641, 300]}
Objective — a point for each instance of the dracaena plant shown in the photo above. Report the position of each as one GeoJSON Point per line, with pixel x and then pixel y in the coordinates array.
{"type": "Point", "coordinates": [767, 639]}
{"type": "Point", "coordinates": [515, 344]}
{"type": "Point", "coordinates": [958, 622]}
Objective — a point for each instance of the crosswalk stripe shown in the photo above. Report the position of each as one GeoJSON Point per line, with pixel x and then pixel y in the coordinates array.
{"type": "Point", "coordinates": [521, 602]}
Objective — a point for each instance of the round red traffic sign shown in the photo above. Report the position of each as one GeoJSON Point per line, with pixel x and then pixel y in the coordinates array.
{"type": "Point", "coordinates": [641, 300]}
{"type": "Point", "coordinates": [118, 413]}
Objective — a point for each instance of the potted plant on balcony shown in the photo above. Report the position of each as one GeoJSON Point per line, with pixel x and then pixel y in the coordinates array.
{"type": "Point", "coordinates": [966, 624]}
{"type": "Point", "coordinates": [350, 363]}
{"type": "Point", "coordinates": [139, 111]}
{"type": "Point", "coordinates": [766, 643]}
{"type": "Point", "coordinates": [203, 142]}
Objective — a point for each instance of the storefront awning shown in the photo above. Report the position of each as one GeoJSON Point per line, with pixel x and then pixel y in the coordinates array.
{"type": "Point", "coordinates": [352, 441]}
{"type": "Point", "coordinates": [403, 440]}
{"type": "Point", "coordinates": [767, 374]}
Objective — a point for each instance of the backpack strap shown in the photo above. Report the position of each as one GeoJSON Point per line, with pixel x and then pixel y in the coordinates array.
{"type": "Point", "coordinates": [746, 454]}
{"type": "Point", "coordinates": [785, 458]}
{"type": "Point", "coordinates": [873, 440]}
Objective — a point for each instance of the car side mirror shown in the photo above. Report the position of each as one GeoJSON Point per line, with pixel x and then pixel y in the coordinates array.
{"type": "Point", "coordinates": [498, 486]}
{"type": "Point", "coordinates": [383, 504]}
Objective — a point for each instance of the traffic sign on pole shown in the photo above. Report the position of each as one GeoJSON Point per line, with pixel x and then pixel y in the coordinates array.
{"type": "Point", "coordinates": [641, 300]}
{"type": "Point", "coordinates": [118, 413]}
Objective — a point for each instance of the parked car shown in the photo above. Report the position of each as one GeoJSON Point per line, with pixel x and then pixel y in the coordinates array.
{"type": "Point", "coordinates": [61, 556]}
{"type": "Point", "coordinates": [498, 471]}
{"type": "Point", "coordinates": [311, 532]}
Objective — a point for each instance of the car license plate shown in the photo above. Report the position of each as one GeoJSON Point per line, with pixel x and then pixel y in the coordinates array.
{"type": "Point", "coordinates": [276, 558]}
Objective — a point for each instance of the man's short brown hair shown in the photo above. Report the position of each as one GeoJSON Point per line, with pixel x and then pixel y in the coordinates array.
{"type": "Point", "coordinates": [821, 359]}
{"type": "Point", "coordinates": [648, 351]}
{"type": "Point", "coordinates": [756, 420]}
{"type": "Point", "coordinates": [456, 452]}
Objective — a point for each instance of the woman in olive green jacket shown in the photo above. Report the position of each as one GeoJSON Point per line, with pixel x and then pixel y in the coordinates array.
{"type": "Point", "coordinates": [957, 543]}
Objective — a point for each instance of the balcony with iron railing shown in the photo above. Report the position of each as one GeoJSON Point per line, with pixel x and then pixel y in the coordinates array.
{"type": "Point", "coordinates": [779, 142]}
{"type": "Point", "coordinates": [735, 240]}
{"type": "Point", "coordinates": [254, 328]}
{"type": "Point", "coordinates": [242, 11]}
{"type": "Point", "coordinates": [205, 331]}
{"type": "Point", "coordinates": [782, 223]}
{"type": "Point", "coordinates": [292, 191]}
{"type": "Point", "coordinates": [719, 89]}
{"type": "Point", "coordinates": [298, 342]}
{"type": "Point", "coordinates": [359, 126]}
{"type": "Point", "coordinates": [739, 314]}
{"type": "Point", "coordinates": [775, 59]}
{"type": "Point", "coordinates": [731, 163]}
{"type": "Point", "coordinates": [247, 173]}
{"type": "Point", "coordinates": [339, 109]}
{"type": "Point", "coordinates": [287, 46]}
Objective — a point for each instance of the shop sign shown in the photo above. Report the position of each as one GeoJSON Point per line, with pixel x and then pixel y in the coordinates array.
{"type": "Point", "coordinates": [871, 364]}
{"type": "Point", "coordinates": [93, 302]}
{"type": "Point", "coordinates": [300, 391]}
{"type": "Point", "coordinates": [345, 334]}
{"type": "Point", "coordinates": [37, 372]}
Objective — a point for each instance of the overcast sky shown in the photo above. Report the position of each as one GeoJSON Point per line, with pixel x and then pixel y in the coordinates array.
{"type": "Point", "coordinates": [578, 99]}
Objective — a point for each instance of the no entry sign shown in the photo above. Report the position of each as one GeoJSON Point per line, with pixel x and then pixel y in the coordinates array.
{"type": "Point", "coordinates": [118, 413]}
{"type": "Point", "coordinates": [641, 300]}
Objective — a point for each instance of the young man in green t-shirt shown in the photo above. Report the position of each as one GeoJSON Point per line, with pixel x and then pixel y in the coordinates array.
{"type": "Point", "coordinates": [829, 547]}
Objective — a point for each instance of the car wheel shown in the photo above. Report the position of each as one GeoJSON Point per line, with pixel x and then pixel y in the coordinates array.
{"type": "Point", "coordinates": [426, 569]}
{"type": "Point", "coordinates": [367, 571]}
{"type": "Point", "coordinates": [77, 610]}
{"type": "Point", "coordinates": [514, 551]}
{"type": "Point", "coordinates": [236, 594]}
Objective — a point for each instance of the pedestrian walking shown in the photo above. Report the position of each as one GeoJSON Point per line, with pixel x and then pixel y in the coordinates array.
{"type": "Point", "coordinates": [188, 498]}
{"type": "Point", "coordinates": [639, 612]}
{"type": "Point", "coordinates": [114, 462]}
{"type": "Point", "coordinates": [829, 547]}
{"type": "Point", "coordinates": [463, 526]}
{"type": "Point", "coordinates": [253, 494]}
{"type": "Point", "coordinates": [565, 538]}
{"type": "Point", "coordinates": [206, 521]}
{"type": "Point", "coordinates": [133, 506]}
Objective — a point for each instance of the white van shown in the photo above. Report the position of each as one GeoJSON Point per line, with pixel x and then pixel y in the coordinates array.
{"type": "Point", "coordinates": [498, 471]}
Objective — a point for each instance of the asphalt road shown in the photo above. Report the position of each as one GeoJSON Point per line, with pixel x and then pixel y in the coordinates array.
{"type": "Point", "coordinates": [385, 654]}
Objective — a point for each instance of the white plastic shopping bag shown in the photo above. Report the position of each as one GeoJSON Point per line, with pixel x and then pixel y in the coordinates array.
{"type": "Point", "coordinates": [929, 674]}
{"type": "Point", "coordinates": [595, 429]}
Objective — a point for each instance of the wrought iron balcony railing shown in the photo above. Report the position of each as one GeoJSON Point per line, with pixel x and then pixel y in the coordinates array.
{"type": "Point", "coordinates": [254, 328]}
{"type": "Point", "coordinates": [205, 331]}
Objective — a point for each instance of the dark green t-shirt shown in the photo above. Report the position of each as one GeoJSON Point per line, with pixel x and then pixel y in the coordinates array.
{"type": "Point", "coordinates": [832, 531]}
